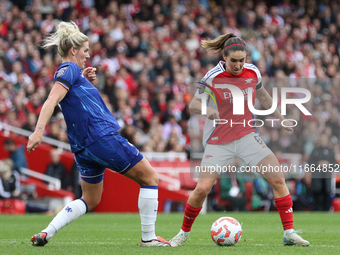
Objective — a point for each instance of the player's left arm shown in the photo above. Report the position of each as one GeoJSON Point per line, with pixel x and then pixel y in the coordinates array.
{"type": "Point", "coordinates": [266, 101]}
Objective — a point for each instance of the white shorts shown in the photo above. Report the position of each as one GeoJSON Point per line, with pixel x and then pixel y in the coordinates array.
{"type": "Point", "coordinates": [250, 148]}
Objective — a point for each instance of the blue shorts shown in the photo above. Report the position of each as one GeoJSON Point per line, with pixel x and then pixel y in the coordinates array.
{"type": "Point", "coordinates": [111, 151]}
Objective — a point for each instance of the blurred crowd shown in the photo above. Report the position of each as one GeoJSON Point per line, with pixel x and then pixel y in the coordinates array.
{"type": "Point", "coordinates": [148, 58]}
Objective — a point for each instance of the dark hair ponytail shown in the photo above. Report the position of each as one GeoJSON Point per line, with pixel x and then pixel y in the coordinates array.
{"type": "Point", "coordinates": [225, 43]}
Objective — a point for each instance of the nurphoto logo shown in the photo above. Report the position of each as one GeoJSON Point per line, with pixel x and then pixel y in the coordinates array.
{"type": "Point", "coordinates": [238, 102]}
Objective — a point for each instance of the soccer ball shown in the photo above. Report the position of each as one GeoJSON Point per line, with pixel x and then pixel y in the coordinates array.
{"type": "Point", "coordinates": [226, 231]}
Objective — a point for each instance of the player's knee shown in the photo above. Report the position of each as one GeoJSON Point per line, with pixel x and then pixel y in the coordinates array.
{"type": "Point", "coordinates": [202, 191]}
{"type": "Point", "coordinates": [277, 182]}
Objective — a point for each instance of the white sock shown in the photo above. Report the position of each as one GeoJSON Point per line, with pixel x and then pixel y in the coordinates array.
{"type": "Point", "coordinates": [183, 232]}
{"type": "Point", "coordinates": [69, 213]}
{"type": "Point", "coordinates": [288, 231]}
{"type": "Point", "coordinates": [148, 205]}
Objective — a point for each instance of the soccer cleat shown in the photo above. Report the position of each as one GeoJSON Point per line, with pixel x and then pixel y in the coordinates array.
{"type": "Point", "coordinates": [39, 239]}
{"type": "Point", "coordinates": [179, 239]}
{"type": "Point", "coordinates": [159, 241]}
{"type": "Point", "coordinates": [291, 237]}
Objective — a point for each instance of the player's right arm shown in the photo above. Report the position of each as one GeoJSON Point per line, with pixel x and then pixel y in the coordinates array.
{"type": "Point", "coordinates": [196, 106]}
{"type": "Point", "coordinates": [57, 94]}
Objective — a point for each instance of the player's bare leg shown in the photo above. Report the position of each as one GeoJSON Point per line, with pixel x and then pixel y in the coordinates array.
{"type": "Point", "coordinates": [283, 201]}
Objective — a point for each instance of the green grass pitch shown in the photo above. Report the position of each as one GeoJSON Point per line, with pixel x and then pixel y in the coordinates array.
{"type": "Point", "coordinates": [120, 234]}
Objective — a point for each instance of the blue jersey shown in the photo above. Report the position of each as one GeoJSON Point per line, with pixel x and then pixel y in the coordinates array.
{"type": "Point", "coordinates": [86, 115]}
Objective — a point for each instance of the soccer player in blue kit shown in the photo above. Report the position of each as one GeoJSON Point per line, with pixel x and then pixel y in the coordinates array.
{"type": "Point", "coordinates": [93, 136]}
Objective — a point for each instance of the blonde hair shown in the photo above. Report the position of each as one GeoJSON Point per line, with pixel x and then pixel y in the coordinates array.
{"type": "Point", "coordinates": [222, 42]}
{"type": "Point", "coordinates": [66, 36]}
{"type": "Point", "coordinates": [6, 167]}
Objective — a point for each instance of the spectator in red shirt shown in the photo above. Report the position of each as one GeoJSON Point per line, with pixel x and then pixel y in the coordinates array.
{"type": "Point", "coordinates": [35, 104]}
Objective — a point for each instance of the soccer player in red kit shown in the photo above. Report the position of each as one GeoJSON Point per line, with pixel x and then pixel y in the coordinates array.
{"type": "Point", "coordinates": [232, 139]}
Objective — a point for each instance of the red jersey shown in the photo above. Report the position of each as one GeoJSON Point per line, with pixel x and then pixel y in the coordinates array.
{"type": "Point", "coordinates": [237, 126]}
